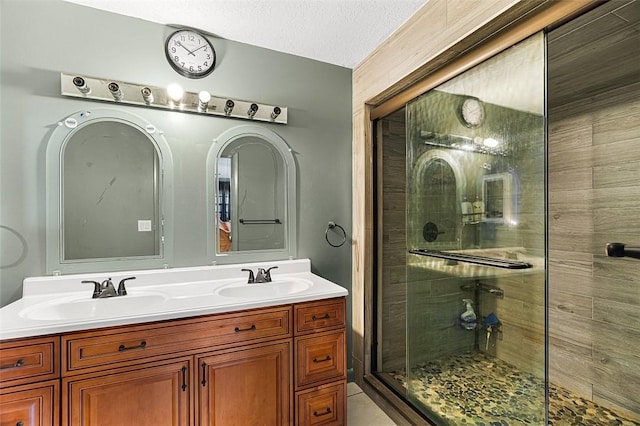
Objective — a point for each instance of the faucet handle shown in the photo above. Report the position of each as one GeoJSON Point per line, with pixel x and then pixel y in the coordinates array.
{"type": "Point", "coordinates": [122, 291]}
{"type": "Point", "coordinates": [267, 273]}
{"type": "Point", "coordinates": [96, 288]}
{"type": "Point", "coordinates": [251, 277]}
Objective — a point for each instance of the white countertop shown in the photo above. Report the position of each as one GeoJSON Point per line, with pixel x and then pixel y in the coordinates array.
{"type": "Point", "coordinates": [57, 304]}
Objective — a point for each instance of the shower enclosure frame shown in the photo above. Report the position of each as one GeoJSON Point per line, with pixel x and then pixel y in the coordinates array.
{"type": "Point", "coordinates": [498, 34]}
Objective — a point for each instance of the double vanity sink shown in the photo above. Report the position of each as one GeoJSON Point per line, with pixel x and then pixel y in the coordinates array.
{"type": "Point", "coordinates": [192, 345]}
{"type": "Point", "coordinates": [63, 303]}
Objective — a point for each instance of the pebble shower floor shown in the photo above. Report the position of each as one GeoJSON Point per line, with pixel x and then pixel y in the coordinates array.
{"type": "Point", "coordinates": [494, 393]}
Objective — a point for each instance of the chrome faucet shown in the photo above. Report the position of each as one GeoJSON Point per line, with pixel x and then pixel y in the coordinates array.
{"type": "Point", "coordinates": [261, 276]}
{"type": "Point", "coordinates": [106, 288]}
{"type": "Point", "coordinates": [264, 275]}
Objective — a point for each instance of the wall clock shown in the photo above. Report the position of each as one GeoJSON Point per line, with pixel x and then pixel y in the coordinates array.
{"type": "Point", "coordinates": [472, 112]}
{"type": "Point", "coordinates": [190, 53]}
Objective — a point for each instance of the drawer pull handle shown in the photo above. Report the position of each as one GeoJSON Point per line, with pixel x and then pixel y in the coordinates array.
{"type": "Point", "coordinates": [123, 348]}
{"type": "Point", "coordinates": [20, 424]}
{"type": "Point", "coordinates": [204, 373]}
{"type": "Point", "coordinates": [327, 411]}
{"type": "Point", "coordinates": [317, 361]}
{"type": "Point", "coordinates": [238, 329]}
{"type": "Point", "coordinates": [19, 363]}
{"type": "Point", "coordinates": [323, 317]}
{"type": "Point", "coordinates": [184, 379]}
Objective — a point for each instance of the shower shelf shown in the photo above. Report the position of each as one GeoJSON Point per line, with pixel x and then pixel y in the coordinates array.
{"type": "Point", "coordinates": [468, 258]}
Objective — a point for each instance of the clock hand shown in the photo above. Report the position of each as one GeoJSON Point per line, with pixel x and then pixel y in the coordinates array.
{"type": "Point", "coordinates": [198, 49]}
{"type": "Point", "coordinates": [184, 47]}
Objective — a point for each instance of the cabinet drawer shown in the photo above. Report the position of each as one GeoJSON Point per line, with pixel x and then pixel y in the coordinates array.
{"type": "Point", "coordinates": [316, 316]}
{"type": "Point", "coordinates": [136, 344]}
{"type": "Point", "coordinates": [36, 404]}
{"type": "Point", "coordinates": [324, 405]}
{"type": "Point", "coordinates": [320, 358]}
{"type": "Point", "coordinates": [30, 360]}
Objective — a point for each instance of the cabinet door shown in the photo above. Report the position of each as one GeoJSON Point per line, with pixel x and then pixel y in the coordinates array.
{"type": "Point", "coordinates": [153, 395]}
{"type": "Point", "coordinates": [28, 405]}
{"type": "Point", "coordinates": [246, 387]}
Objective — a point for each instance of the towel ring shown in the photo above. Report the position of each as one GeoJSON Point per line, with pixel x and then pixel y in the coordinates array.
{"type": "Point", "coordinates": [326, 234]}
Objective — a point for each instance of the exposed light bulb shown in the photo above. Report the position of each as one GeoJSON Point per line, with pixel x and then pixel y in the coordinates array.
{"type": "Point", "coordinates": [490, 142]}
{"type": "Point", "coordinates": [203, 100]}
{"type": "Point", "coordinates": [175, 93]}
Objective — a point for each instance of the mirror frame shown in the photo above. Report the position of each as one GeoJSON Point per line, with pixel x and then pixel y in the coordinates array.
{"type": "Point", "coordinates": [508, 197]}
{"type": "Point", "coordinates": [63, 132]}
{"type": "Point", "coordinates": [219, 144]}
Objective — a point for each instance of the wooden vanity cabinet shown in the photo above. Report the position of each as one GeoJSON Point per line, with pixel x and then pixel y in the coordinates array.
{"type": "Point", "coordinates": [29, 382]}
{"type": "Point", "coordinates": [157, 393]}
{"type": "Point", "coordinates": [320, 362]}
{"type": "Point", "coordinates": [283, 365]}
{"type": "Point", "coordinates": [250, 386]}
{"type": "Point", "coordinates": [225, 369]}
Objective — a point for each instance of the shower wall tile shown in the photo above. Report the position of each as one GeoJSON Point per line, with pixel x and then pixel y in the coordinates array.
{"type": "Point", "coordinates": [624, 314]}
{"type": "Point", "coordinates": [570, 134]}
{"type": "Point", "coordinates": [570, 179]}
{"type": "Point", "coordinates": [623, 290]}
{"type": "Point", "coordinates": [577, 199]}
{"type": "Point", "coordinates": [570, 221]}
{"type": "Point", "coordinates": [581, 242]}
{"type": "Point", "coordinates": [597, 356]}
{"type": "Point", "coordinates": [622, 177]}
{"type": "Point", "coordinates": [571, 303]}
{"type": "Point", "coordinates": [392, 281]}
{"type": "Point", "coordinates": [570, 263]}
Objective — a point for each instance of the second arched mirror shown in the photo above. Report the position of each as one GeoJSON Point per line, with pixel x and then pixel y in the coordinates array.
{"type": "Point", "coordinates": [251, 189]}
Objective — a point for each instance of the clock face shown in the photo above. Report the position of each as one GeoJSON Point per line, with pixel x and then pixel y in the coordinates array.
{"type": "Point", "coordinates": [472, 112]}
{"type": "Point", "coordinates": [190, 54]}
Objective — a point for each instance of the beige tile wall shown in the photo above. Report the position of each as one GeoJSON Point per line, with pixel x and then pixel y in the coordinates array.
{"type": "Point", "coordinates": [594, 198]}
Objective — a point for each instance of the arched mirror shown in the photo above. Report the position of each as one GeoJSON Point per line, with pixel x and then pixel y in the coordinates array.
{"type": "Point", "coordinates": [438, 184]}
{"type": "Point", "coordinates": [252, 196]}
{"type": "Point", "coordinates": [108, 194]}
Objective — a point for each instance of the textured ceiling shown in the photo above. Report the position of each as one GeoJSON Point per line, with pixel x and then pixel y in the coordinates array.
{"type": "Point", "coordinates": [340, 32]}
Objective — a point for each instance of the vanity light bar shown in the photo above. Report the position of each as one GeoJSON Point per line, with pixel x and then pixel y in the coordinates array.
{"type": "Point", "coordinates": [100, 89]}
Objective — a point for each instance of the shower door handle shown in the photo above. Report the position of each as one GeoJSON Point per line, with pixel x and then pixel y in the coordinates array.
{"type": "Point", "coordinates": [622, 250]}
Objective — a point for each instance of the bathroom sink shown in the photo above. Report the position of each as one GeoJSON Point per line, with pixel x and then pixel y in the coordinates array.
{"type": "Point", "coordinates": [277, 288]}
{"type": "Point", "coordinates": [83, 307]}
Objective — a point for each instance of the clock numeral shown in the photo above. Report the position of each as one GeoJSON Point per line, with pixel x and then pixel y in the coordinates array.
{"type": "Point", "coordinates": [199, 67]}
{"type": "Point", "coordinates": [176, 58]}
{"type": "Point", "coordinates": [191, 38]}
{"type": "Point", "coordinates": [208, 56]}
{"type": "Point", "coordinates": [173, 50]}
{"type": "Point", "coordinates": [191, 68]}
{"type": "Point", "coordinates": [182, 64]}
{"type": "Point", "coordinates": [206, 64]}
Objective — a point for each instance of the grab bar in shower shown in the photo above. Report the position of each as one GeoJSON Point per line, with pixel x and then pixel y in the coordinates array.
{"type": "Point", "coordinates": [469, 258]}
{"type": "Point", "coordinates": [622, 250]}
{"type": "Point", "coordinates": [258, 221]}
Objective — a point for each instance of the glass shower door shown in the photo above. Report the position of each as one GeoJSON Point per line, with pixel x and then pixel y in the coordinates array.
{"type": "Point", "coordinates": [475, 274]}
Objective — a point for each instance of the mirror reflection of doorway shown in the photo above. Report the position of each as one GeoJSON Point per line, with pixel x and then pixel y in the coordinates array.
{"type": "Point", "coordinates": [250, 196]}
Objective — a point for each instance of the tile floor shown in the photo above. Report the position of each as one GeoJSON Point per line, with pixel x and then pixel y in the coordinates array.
{"type": "Point", "coordinates": [362, 411]}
